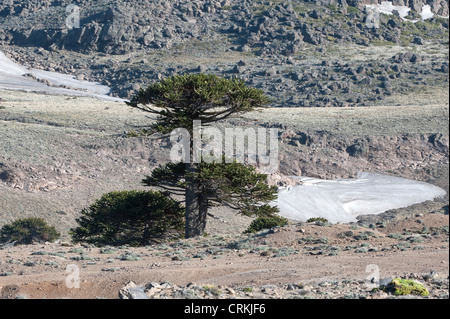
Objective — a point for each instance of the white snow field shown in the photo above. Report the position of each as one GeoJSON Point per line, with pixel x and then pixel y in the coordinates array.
{"type": "Point", "coordinates": [14, 77]}
{"type": "Point", "coordinates": [342, 200]}
{"type": "Point", "coordinates": [388, 8]}
{"type": "Point", "coordinates": [426, 12]}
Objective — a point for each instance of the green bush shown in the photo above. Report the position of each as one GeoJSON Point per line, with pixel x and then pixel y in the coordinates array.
{"type": "Point", "coordinates": [266, 222]}
{"type": "Point", "coordinates": [319, 221]}
{"type": "Point", "coordinates": [136, 218]}
{"type": "Point", "coordinates": [400, 287]}
{"type": "Point", "coordinates": [28, 230]}
{"type": "Point", "coordinates": [352, 10]}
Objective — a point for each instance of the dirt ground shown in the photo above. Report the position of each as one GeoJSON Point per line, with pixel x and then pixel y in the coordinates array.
{"type": "Point", "coordinates": [41, 271]}
{"type": "Point", "coordinates": [63, 152]}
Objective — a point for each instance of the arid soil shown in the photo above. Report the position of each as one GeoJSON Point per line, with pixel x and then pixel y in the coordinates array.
{"type": "Point", "coordinates": [58, 154]}
{"type": "Point", "coordinates": [310, 258]}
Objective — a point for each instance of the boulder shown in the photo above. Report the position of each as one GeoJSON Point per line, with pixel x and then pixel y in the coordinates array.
{"type": "Point", "coordinates": [132, 291]}
{"type": "Point", "coordinates": [418, 40]}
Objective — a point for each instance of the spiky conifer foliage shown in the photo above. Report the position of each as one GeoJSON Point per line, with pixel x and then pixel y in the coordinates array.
{"type": "Point", "coordinates": [135, 218]}
{"type": "Point", "coordinates": [180, 100]}
{"type": "Point", "coordinates": [28, 230]}
{"type": "Point", "coordinates": [233, 185]}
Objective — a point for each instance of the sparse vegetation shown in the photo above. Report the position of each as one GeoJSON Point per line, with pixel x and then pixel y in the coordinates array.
{"type": "Point", "coordinates": [266, 222]}
{"type": "Point", "coordinates": [352, 10]}
{"type": "Point", "coordinates": [320, 221]}
{"type": "Point", "coordinates": [129, 256]}
{"type": "Point", "coordinates": [396, 236]}
{"type": "Point", "coordinates": [284, 251]}
{"type": "Point", "coordinates": [71, 149]}
{"type": "Point", "coordinates": [345, 234]}
{"type": "Point", "coordinates": [212, 290]}
{"type": "Point", "coordinates": [364, 235]}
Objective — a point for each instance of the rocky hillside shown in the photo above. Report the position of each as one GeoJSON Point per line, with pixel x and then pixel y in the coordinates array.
{"type": "Point", "coordinates": [297, 51]}
{"type": "Point", "coordinates": [118, 27]}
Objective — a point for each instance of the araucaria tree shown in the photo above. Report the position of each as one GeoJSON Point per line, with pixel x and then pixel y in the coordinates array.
{"type": "Point", "coordinates": [178, 102]}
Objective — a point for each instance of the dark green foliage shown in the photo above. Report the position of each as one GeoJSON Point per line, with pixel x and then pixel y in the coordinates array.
{"type": "Point", "coordinates": [320, 220]}
{"type": "Point", "coordinates": [234, 185]}
{"type": "Point", "coordinates": [136, 218]}
{"type": "Point", "coordinates": [180, 99]}
{"type": "Point", "coordinates": [266, 222]}
{"type": "Point", "coordinates": [27, 230]}
{"type": "Point", "coordinates": [237, 186]}
{"type": "Point", "coordinates": [169, 177]}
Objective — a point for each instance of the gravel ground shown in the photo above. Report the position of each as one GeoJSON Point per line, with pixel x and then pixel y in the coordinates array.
{"type": "Point", "coordinates": [296, 261]}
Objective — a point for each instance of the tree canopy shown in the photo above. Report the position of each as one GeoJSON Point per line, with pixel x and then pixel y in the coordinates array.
{"type": "Point", "coordinates": [234, 185]}
{"type": "Point", "coordinates": [179, 100]}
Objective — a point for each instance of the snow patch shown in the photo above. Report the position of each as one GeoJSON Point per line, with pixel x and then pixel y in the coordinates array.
{"type": "Point", "coordinates": [388, 8]}
{"type": "Point", "coordinates": [342, 200]}
{"type": "Point", "coordinates": [16, 77]}
{"type": "Point", "coordinates": [426, 12]}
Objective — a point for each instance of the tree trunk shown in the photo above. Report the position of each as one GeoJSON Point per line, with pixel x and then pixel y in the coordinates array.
{"type": "Point", "coordinates": [196, 205]}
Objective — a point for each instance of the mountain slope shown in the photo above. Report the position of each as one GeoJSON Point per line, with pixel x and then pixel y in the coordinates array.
{"type": "Point", "coordinates": [301, 53]}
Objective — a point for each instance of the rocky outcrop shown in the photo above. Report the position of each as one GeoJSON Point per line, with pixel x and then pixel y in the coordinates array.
{"type": "Point", "coordinates": [328, 154]}
{"type": "Point", "coordinates": [274, 36]}
{"type": "Point", "coordinates": [31, 179]}
{"type": "Point", "coordinates": [107, 26]}
{"type": "Point", "coordinates": [331, 289]}
{"type": "Point", "coordinates": [117, 27]}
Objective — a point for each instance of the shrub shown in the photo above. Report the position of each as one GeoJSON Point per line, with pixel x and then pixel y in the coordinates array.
{"type": "Point", "coordinates": [266, 222]}
{"type": "Point", "coordinates": [284, 251]}
{"type": "Point", "coordinates": [345, 234]}
{"type": "Point", "coordinates": [319, 221]}
{"type": "Point", "coordinates": [352, 10]}
{"type": "Point", "coordinates": [401, 287]}
{"type": "Point", "coordinates": [27, 230]}
{"type": "Point", "coordinates": [136, 218]}
{"type": "Point", "coordinates": [362, 236]}
{"type": "Point", "coordinates": [211, 290]}
{"type": "Point", "coordinates": [396, 236]}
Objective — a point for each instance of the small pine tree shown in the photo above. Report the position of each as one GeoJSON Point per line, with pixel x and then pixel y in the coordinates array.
{"type": "Point", "coordinates": [136, 218]}
{"type": "Point", "coordinates": [28, 230]}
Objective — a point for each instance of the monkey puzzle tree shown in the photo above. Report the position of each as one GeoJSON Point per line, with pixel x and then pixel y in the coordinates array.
{"type": "Point", "coordinates": [178, 102]}
{"type": "Point", "coordinates": [136, 218]}
{"type": "Point", "coordinates": [234, 185]}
